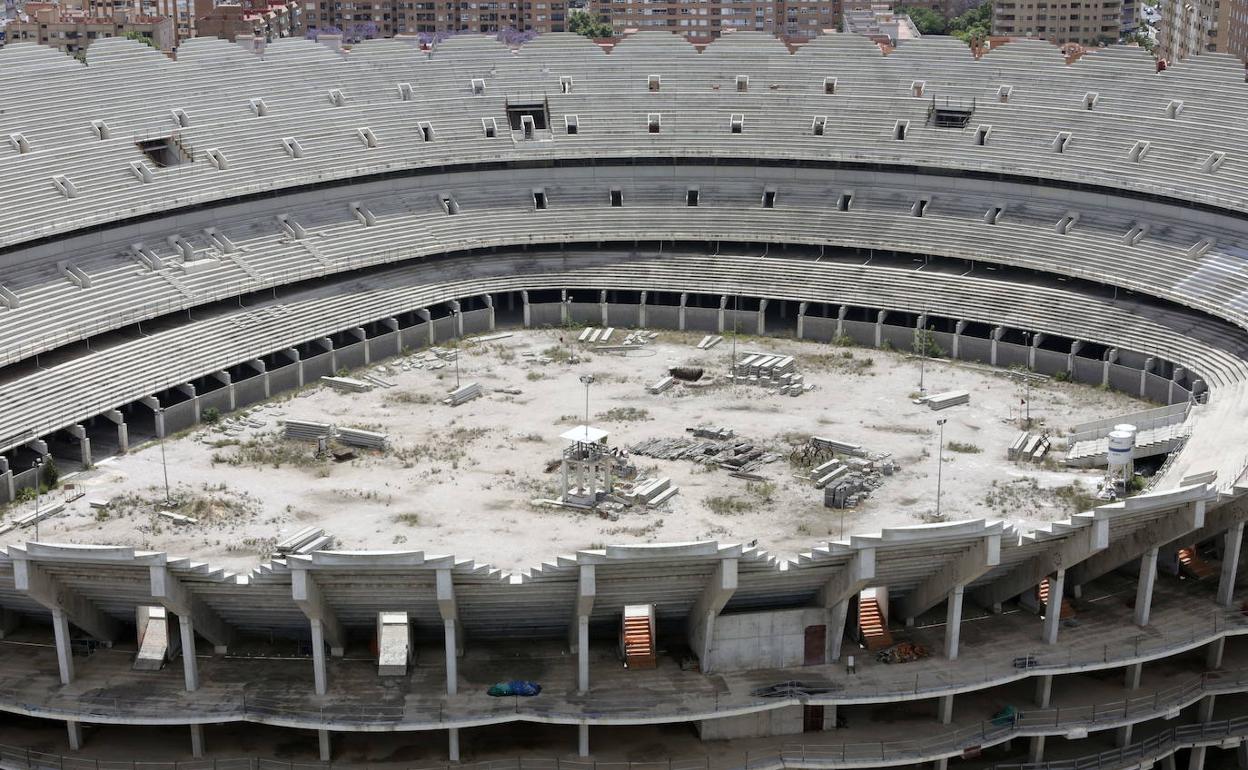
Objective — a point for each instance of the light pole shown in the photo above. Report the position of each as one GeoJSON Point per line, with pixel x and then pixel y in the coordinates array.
{"type": "Point", "coordinates": [1027, 384]}
{"type": "Point", "coordinates": [455, 315]}
{"type": "Point", "coordinates": [940, 461]}
{"type": "Point", "coordinates": [587, 380]}
{"type": "Point", "coordinates": [922, 358]}
{"type": "Point", "coordinates": [736, 308]}
{"type": "Point", "coordinates": [38, 485]}
{"type": "Point", "coordinates": [164, 466]}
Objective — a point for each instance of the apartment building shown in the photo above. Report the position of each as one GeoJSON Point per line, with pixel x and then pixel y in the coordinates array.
{"type": "Point", "coordinates": [880, 24]}
{"type": "Point", "coordinates": [1088, 22]}
{"type": "Point", "coordinates": [358, 19]}
{"type": "Point", "coordinates": [266, 18]}
{"type": "Point", "coordinates": [73, 30]}
{"type": "Point", "coordinates": [1232, 28]}
{"type": "Point", "coordinates": [712, 18]}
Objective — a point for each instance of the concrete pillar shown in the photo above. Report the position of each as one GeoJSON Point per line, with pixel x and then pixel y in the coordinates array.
{"type": "Point", "coordinates": [941, 764]}
{"type": "Point", "coordinates": [563, 307]}
{"type": "Point", "coordinates": [458, 313]}
{"type": "Point", "coordinates": [1075, 347]}
{"type": "Point", "coordinates": [582, 654]}
{"type": "Point", "coordinates": [841, 312]}
{"type": "Point", "coordinates": [953, 622]}
{"type": "Point", "coordinates": [1241, 755]}
{"type": "Point", "coordinates": [801, 319]}
{"type": "Point", "coordinates": [318, 657]}
{"type": "Point", "coordinates": [1178, 374]}
{"type": "Point", "coordinates": [602, 308]}
{"type": "Point", "coordinates": [879, 327]}
{"type": "Point", "coordinates": [328, 345]}
{"type": "Point", "coordinates": [197, 741]}
{"type": "Point", "coordinates": [262, 372]}
{"type": "Point", "coordinates": [837, 617]}
{"type": "Point", "coordinates": [762, 317]}
{"type": "Point", "coordinates": [1204, 712]}
{"type": "Point", "coordinates": [1053, 613]}
{"type": "Point", "coordinates": [1144, 588]}
{"type": "Point", "coordinates": [995, 338]}
{"type": "Point", "coordinates": [641, 309]}
{"type": "Point", "coordinates": [489, 306]}
{"type": "Point", "coordinates": [1122, 736]}
{"type": "Point", "coordinates": [190, 666]}
{"type": "Point", "coordinates": [1035, 752]}
{"type": "Point", "coordinates": [680, 312]}
{"type": "Point", "coordinates": [327, 752]}
{"type": "Point", "coordinates": [75, 734]}
{"type": "Point", "coordinates": [452, 744]}
{"type": "Point", "coordinates": [452, 661]}
{"type": "Point", "coordinates": [64, 654]}
{"type": "Point", "coordinates": [959, 329]}
{"type": "Point", "coordinates": [1134, 673]}
{"type": "Point", "coordinates": [582, 740]}
{"type": "Point", "coordinates": [158, 413]}
{"type": "Point", "coordinates": [1232, 542]}
{"type": "Point", "coordinates": [84, 443]}
{"type": "Point", "coordinates": [528, 310]}
{"type": "Point", "coordinates": [723, 303]}
{"type": "Point", "coordinates": [1044, 690]}
{"type": "Point", "coordinates": [297, 360]}
{"type": "Point", "coordinates": [944, 709]}
{"type": "Point", "coordinates": [1213, 655]}
{"type": "Point", "coordinates": [228, 383]}
{"type": "Point", "coordinates": [1111, 357]}
{"type": "Point", "coordinates": [123, 433]}
{"type": "Point", "coordinates": [1036, 339]}
{"type": "Point", "coordinates": [8, 492]}
{"type": "Point", "coordinates": [393, 325]}
{"type": "Point", "coordinates": [1196, 759]}
{"type": "Point", "coordinates": [1149, 365]}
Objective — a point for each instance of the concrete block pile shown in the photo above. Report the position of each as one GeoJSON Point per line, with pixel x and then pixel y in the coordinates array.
{"type": "Point", "coordinates": [347, 384]}
{"type": "Point", "coordinates": [1028, 447]}
{"type": "Point", "coordinates": [306, 540]}
{"type": "Point", "coordinates": [945, 400]}
{"type": "Point", "coordinates": [463, 394]}
{"type": "Point", "coordinates": [777, 373]}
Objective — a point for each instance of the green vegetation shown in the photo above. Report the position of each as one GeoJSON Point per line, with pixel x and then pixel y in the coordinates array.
{"type": "Point", "coordinates": [408, 519]}
{"type": "Point", "coordinates": [624, 414]}
{"type": "Point", "coordinates": [726, 505]}
{"type": "Point", "coordinates": [973, 26]}
{"type": "Point", "coordinates": [583, 23]}
{"type": "Point", "coordinates": [140, 37]}
{"type": "Point", "coordinates": [958, 446]}
{"type": "Point", "coordinates": [927, 21]}
{"type": "Point", "coordinates": [211, 415]}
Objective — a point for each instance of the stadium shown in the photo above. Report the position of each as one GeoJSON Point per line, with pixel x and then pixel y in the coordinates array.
{"type": "Point", "coordinates": [199, 255]}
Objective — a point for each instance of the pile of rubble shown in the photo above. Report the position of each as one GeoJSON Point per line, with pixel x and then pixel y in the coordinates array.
{"type": "Point", "coordinates": [777, 373]}
{"type": "Point", "coordinates": [905, 652]}
{"type": "Point", "coordinates": [847, 479]}
{"type": "Point", "coordinates": [716, 446]}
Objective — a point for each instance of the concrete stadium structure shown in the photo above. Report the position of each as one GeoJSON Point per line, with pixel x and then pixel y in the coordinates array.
{"type": "Point", "coordinates": [245, 224]}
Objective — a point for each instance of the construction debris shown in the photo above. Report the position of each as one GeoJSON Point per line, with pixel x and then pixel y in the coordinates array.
{"type": "Point", "coordinates": [708, 446]}
{"type": "Point", "coordinates": [177, 518]}
{"type": "Point", "coordinates": [362, 438]}
{"type": "Point", "coordinates": [463, 394]}
{"type": "Point", "coordinates": [304, 430]}
{"type": "Point", "coordinates": [945, 400]}
{"type": "Point", "coordinates": [905, 652]}
{"type": "Point", "coordinates": [347, 384]}
{"type": "Point", "coordinates": [306, 540]}
{"type": "Point", "coordinates": [1028, 447]}
{"type": "Point", "coordinates": [777, 373]}
{"type": "Point", "coordinates": [652, 492]}
{"type": "Point", "coordinates": [32, 517]}
{"type": "Point", "coordinates": [687, 373]}
{"type": "Point", "coordinates": [661, 385]}
{"type": "Point", "coordinates": [710, 341]}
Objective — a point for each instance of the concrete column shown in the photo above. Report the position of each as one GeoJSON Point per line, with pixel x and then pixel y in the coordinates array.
{"type": "Point", "coordinates": [1035, 752]}
{"type": "Point", "coordinates": [723, 303]}
{"type": "Point", "coordinates": [158, 413]}
{"type": "Point", "coordinates": [1111, 357]}
{"type": "Point", "coordinates": [190, 666]}
{"type": "Point", "coordinates": [7, 488]}
{"type": "Point", "coordinates": [841, 312]}
{"type": "Point", "coordinates": [563, 307]}
{"type": "Point", "coordinates": [75, 734]}
{"type": "Point", "coordinates": [941, 764]}
{"type": "Point", "coordinates": [879, 327]}
{"type": "Point", "coordinates": [228, 383]}
{"type": "Point", "coordinates": [582, 654]}
{"type": "Point", "coordinates": [318, 656]}
{"type": "Point", "coordinates": [452, 661]}
{"type": "Point", "coordinates": [528, 310]}
{"type": "Point", "coordinates": [1196, 759]}
{"type": "Point", "coordinates": [1053, 613]}
{"type": "Point", "coordinates": [1204, 712]}
{"type": "Point", "coordinates": [1213, 656]}
{"type": "Point", "coordinates": [762, 317]}
{"type": "Point", "coordinates": [958, 329]}
{"type": "Point", "coordinates": [1144, 588]}
{"type": "Point", "coordinates": [197, 741]}
{"type": "Point", "coordinates": [459, 317]}
{"type": "Point", "coordinates": [1232, 542]}
{"type": "Point", "coordinates": [944, 709]}
{"type": "Point", "coordinates": [1075, 347]}
{"type": "Point", "coordinates": [995, 338]}
{"type": "Point", "coordinates": [489, 305]}
{"type": "Point", "coordinates": [452, 744]}
{"type": "Point", "coordinates": [1149, 365]}
{"type": "Point", "coordinates": [393, 325]}
{"type": "Point", "coordinates": [1241, 755]}
{"type": "Point", "coordinates": [602, 308]}
{"type": "Point", "coordinates": [297, 360]}
{"type": "Point", "coordinates": [262, 372]}
{"type": "Point", "coordinates": [1036, 339]}
{"type": "Point", "coordinates": [1133, 674]}
{"type": "Point", "coordinates": [953, 622]}
{"type": "Point", "coordinates": [64, 654]}
{"type": "Point", "coordinates": [680, 312]}
{"type": "Point", "coordinates": [582, 740]}
{"type": "Point", "coordinates": [84, 443]}
{"type": "Point", "coordinates": [1122, 736]}
{"type": "Point", "coordinates": [1044, 690]}
{"type": "Point", "coordinates": [801, 319]}
{"type": "Point", "coordinates": [326, 751]}
{"type": "Point", "coordinates": [837, 617]}
{"type": "Point", "coordinates": [641, 309]}
{"type": "Point", "coordinates": [1174, 382]}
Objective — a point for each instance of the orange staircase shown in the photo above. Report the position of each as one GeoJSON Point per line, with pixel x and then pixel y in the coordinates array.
{"type": "Point", "coordinates": [1042, 598]}
{"type": "Point", "coordinates": [871, 624]}
{"type": "Point", "coordinates": [1192, 565]}
{"type": "Point", "coordinates": [637, 640]}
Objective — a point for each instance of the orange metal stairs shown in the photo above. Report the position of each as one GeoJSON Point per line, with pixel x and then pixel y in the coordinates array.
{"type": "Point", "coordinates": [871, 623]}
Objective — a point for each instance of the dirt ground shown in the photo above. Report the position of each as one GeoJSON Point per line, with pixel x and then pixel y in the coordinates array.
{"type": "Point", "coordinates": [464, 480]}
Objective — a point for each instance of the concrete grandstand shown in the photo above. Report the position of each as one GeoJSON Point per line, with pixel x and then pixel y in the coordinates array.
{"type": "Point", "coordinates": [247, 224]}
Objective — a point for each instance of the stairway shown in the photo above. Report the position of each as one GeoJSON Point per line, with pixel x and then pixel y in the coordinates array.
{"type": "Point", "coordinates": [638, 640]}
{"type": "Point", "coordinates": [1193, 566]}
{"type": "Point", "coordinates": [871, 624]}
{"type": "Point", "coordinates": [1042, 598]}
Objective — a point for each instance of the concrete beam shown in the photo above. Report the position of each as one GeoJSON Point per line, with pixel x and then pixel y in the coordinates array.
{"type": "Point", "coordinates": [322, 621]}
{"type": "Point", "coordinates": [982, 556]}
{"type": "Point", "coordinates": [1144, 587]}
{"type": "Point", "coordinates": [1234, 540]}
{"type": "Point", "coordinates": [953, 623]}
{"type": "Point", "coordinates": [579, 632]}
{"type": "Point", "coordinates": [174, 596]}
{"type": "Point", "coordinates": [1053, 612]}
{"type": "Point", "coordinates": [715, 595]}
{"type": "Point", "coordinates": [1179, 523]}
{"type": "Point", "coordinates": [75, 735]}
{"type": "Point", "coordinates": [197, 741]}
{"type": "Point", "coordinates": [451, 630]}
{"type": "Point", "coordinates": [850, 581]}
{"type": "Point", "coordinates": [35, 582]}
{"type": "Point", "coordinates": [1073, 549]}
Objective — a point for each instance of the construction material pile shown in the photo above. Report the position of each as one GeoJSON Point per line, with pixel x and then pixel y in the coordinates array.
{"type": "Point", "coordinates": [710, 446]}
{"type": "Point", "coordinates": [1028, 447]}
{"type": "Point", "coordinates": [304, 541]}
{"type": "Point", "coordinates": [592, 335]}
{"type": "Point", "coordinates": [777, 373]}
{"type": "Point", "coordinates": [304, 430]}
{"type": "Point", "coordinates": [939, 401]}
{"type": "Point", "coordinates": [846, 472]}
{"type": "Point", "coordinates": [463, 394]}
{"type": "Point", "coordinates": [905, 652]}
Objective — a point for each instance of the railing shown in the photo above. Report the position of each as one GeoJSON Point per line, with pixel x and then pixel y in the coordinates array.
{"type": "Point", "coordinates": [1151, 749]}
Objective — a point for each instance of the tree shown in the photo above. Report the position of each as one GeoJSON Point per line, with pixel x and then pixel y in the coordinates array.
{"type": "Point", "coordinates": [139, 36]}
{"type": "Point", "coordinates": [582, 23]}
{"type": "Point", "coordinates": [927, 21]}
{"type": "Point", "coordinates": [975, 24]}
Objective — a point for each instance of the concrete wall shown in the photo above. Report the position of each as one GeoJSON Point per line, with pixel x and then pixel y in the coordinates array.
{"type": "Point", "coordinates": [756, 640]}
{"type": "Point", "coordinates": [861, 332]}
{"type": "Point", "coordinates": [1051, 362]}
{"type": "Point", "coordinates": [544, 314]}
{"type": "Point", "coordinates": [622, 315]}
{"type": "Point", "coordinates": [315, 367]}
{"type": "Point", "coordinates": [701, 319]}
{"type": "Point", "coordinates": [1088, 371]}
{"type": "Point", "coordinates": [415, 337]}
{"type": "Point", "coordinates": [901, 337]}
{"type": "Point", "coordinates": [587, 313]}
{"type": "Point", "coordinates": [476, 321]}
{"type": "Point", "coordinates": [974, 349]}
{"type": "Point", "coordinates": [1010, 354]}
{"type": "Point", "coordinates": [819, 329]}
{"type": "Point", "coordinates": [183, 415]}
{"type": "Point", "coordinates": [248, 391]}
{"type": "Point", "coordinates": [350, 356]}
{"type": "Point", "coordinates": [284, 378]}
{"type": "Point", "coordinates": [218, 399]}
{"type": "Point", "coordinates": [786, 720]}
{"type": "Point", "coordinates": [383, 346]}
{"type": "Point", "coordinates": [662, 316]}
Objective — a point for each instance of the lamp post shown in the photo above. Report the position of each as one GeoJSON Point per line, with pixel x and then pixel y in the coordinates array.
{"type": "Point", "coordinates": [1027, 384]}
{"type": "Point", "coordinates": [38, 485]}
{"type": "Point", "coordinates": [736, 319]}
{"type": "Point", "coordinates": [923, 337]}
{"type": "Point", "coordinates": [940, 461]}
{"type": "Point", "coordinates": [164, 466]}
{"type": "Point", "coordinates": [587, 380]}
{"type": "Point", "coordinates": [455, 315]}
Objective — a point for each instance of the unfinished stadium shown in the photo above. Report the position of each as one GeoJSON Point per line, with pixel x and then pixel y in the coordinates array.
{"type": "Point", "coordinates": [246, 224]}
